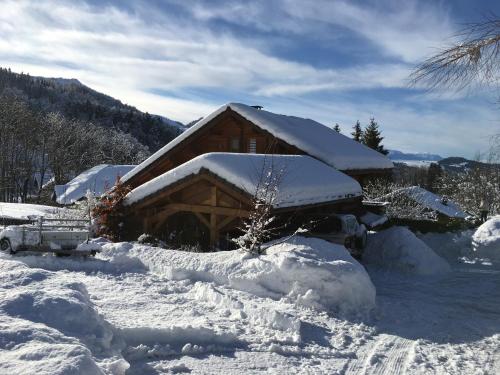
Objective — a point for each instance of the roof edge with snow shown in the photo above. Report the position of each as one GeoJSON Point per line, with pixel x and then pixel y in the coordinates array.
{"type": "Point", "coordinates": [308, 182]}
{"type": "Point", "coordinates": [310, 136]}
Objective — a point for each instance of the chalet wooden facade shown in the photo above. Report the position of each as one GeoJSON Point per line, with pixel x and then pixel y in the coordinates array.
{"type": "Point", "coordinates": [204, 200]}
{"type": "Point", "coordinates": [198, 187]}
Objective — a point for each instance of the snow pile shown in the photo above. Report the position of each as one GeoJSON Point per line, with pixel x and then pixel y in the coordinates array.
{"type": "Point", "coordinates": [97, 180]}
{"type": "Point", "coordinates": [314, 138]}
{"type": "Point", "coordinates": [486, 239]}
{"type": "Point", "coordinates": [89, 246]}
{"type": "Point", "coordinates": [452, 246]}
{"type": "Point", "coordinates": [48, 326]}
{"type": "Point", "coordinates": [302, 179]}
{"type": "Point", "coordinates": [23, 211]}
{"type": "Point", "coordinates": [397, 248]}
{"type": "Point", "coordinates": [306, 271]}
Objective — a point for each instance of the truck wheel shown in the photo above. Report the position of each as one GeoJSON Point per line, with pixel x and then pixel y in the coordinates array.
{"type": "Point", "coordinates": [361, 240]}
{"type": "Point", "coordinates": [5, 246]}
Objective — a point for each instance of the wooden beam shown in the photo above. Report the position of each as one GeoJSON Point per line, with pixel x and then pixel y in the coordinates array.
{"type": "Point", "coordinates": [225, 222]}
{"type": "Point", "coordinates": [213, 218]}
{"type": "Point", "coordinates": [202, 219]}
{"type": "Point", "coordinates": [160, 218]}
{"type": "Point", "coordinates": [242, 197]}
{"type": "Point", "coordinates": [213, 230]}
{"type": "Point", "coordinates": [223, 211]}
{"type": "Point", "coordinates": [214, 196]}
{"type": "Point", "coordinates": [166, 192]}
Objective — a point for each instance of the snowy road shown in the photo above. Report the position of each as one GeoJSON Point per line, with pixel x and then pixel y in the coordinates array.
{"type": "Point", "coordinates": [446, 325]}
{"type": "Point", "coordinates": [433, 325]}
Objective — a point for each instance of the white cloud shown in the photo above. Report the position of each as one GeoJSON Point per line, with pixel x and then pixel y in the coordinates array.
{"type": "Point", "coordinates": [408, 30]}
{"type": "Point", "coordinates": [130, 55]}
{"type": "Point", "coordinates": [124, 49]}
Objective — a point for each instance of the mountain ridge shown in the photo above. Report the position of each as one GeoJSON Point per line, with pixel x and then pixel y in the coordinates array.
{"type": "Point", "coordinates": [419, 156]}
{"type": "Point", "coordinates": [75, 100]}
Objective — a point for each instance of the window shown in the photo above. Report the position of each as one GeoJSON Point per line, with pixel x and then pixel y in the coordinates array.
{"type": "Point", "coordinates": [252, 146]}
{"type": "Point", "coordinates": [234, 145]}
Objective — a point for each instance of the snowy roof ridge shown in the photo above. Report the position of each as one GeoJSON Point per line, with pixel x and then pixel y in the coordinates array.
{"type": "Point", "coordinates": [97, 179]}
{"type": "Point", "coordinates": [316, 139]}
{"type": "Point", "coordinates": [305, 180]}
{"type": "Point", "coordinates": [432, 201]}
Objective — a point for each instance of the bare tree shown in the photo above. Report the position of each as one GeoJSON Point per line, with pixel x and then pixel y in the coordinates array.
{"type": "Point", "coordinates": [473, 59]}
{"type": "Point", "coordinates": [401, 206]}
{"type": "Point", "coordinates": [258, 228]}
{"type": "Point", "coordinates": [263, 225]}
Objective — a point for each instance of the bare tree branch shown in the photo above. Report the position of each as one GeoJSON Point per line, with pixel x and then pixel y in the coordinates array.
{"type": "Point", "coordinates": [473, 60]}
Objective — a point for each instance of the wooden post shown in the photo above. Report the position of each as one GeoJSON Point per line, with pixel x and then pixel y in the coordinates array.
{"type": "Point", "coordinates": [213, 219]}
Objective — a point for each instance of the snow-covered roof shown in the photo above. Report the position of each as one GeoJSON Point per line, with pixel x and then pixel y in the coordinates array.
{"type": "Point", "coordinates": [310, 136]}
{"type": "Point", "coordinates": [303, 179]}
{"type": "Point", "coordinates": [96, 179]}
{"type": "Point", "coordinates": [432, 201]}
{"type": "Point", "coordinates": [23, 211]}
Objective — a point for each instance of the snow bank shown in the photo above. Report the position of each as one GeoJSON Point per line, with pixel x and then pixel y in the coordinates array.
{"type": "Point", "coordinates": [34, 348]}
{"type": "Point", "coordinates": [89, 246]}
{"type": "Point", "coordinates": [48, 325]}
{"type": "Point", "coordinates": [486, 239]}
{"type": "Point", "coordinates": [306, 271]}
{"type": "Point", "coordinates": [452, 246]}
{"type": "Point", "coordinates": [397, 248]}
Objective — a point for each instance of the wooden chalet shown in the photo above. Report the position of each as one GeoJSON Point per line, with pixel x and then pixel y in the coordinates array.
{"type": "Point", "coordinates": [204, 200]}
{"type": "Point", "coordinates": [200, 186]}
{"type": "Point", "coordinates": [240, 128]}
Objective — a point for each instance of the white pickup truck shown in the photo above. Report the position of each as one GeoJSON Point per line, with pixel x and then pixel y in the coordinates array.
{"type": "Point", "coordinates": [62, 237]}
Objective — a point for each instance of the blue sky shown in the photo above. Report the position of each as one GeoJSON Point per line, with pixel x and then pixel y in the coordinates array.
{"type": "Point", "coordinates": [332, 61]}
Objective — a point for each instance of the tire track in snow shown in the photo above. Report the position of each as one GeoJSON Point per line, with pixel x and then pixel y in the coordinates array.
{"type": "Point", "coordinates": [388, 355]}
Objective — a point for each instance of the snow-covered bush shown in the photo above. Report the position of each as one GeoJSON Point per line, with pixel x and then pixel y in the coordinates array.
{"type": "Point", "coordinates": [486, 239]}
{"type": "Point", "coordinates": [469, 188]}
{"type": "Point", "coordinates": [397, 248]}
{"type": "Point", "coordinates": [401, 205]}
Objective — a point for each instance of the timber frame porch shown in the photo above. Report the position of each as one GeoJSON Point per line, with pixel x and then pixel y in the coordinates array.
{"type": "Point", "coordinates": [217, 204]}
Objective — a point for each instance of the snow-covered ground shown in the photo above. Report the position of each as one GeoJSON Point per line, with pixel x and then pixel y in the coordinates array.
{"type": "Point", "coordinates": [305, 307]}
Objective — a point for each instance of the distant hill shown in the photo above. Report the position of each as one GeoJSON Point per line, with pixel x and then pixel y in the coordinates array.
{"type": "Point", "coordinates": [459, 164]}
{"type": "Point", "coordinates": [75, 100]}
{"type": "Point", "coordinates": [399, 155]}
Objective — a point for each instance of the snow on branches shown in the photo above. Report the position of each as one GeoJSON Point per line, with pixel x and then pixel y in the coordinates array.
{"type": "Point", "coordinates": [259, 228]}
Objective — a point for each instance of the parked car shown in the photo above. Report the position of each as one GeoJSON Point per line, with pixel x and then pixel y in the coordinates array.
{"type": "Point", "coordinates": [342, 229]}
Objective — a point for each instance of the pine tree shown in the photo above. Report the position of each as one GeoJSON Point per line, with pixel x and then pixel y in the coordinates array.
{"type": "Point", "coordinates": [337, 128]}
{"type": "Point", "coordinates": [434, 173]}
{"type": "Point", "coordinates": [371, 137]}
{"type": "Point", "coordinates": [357, 134]}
